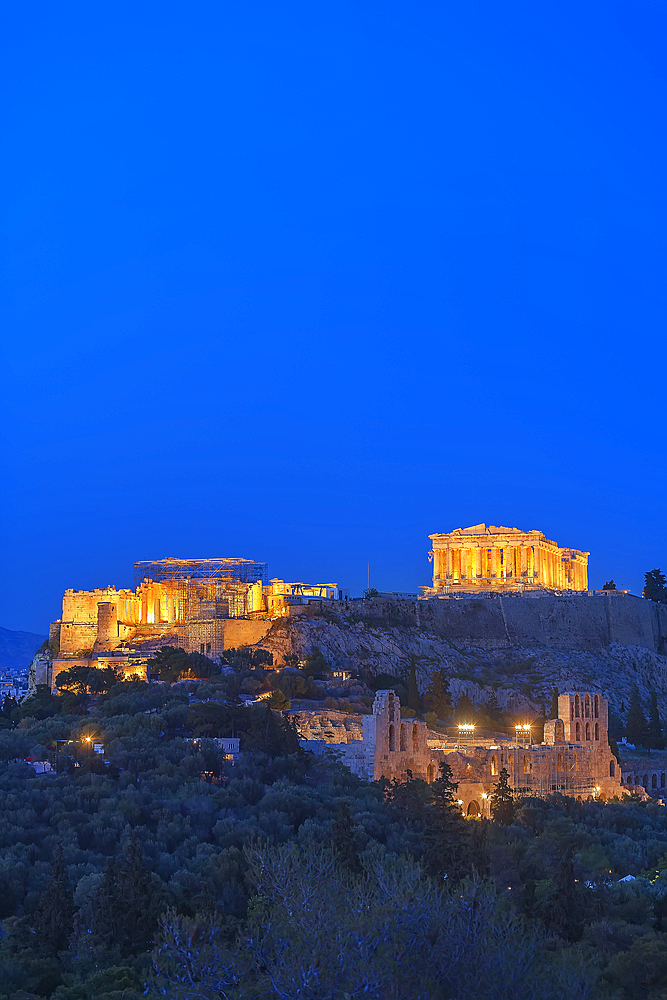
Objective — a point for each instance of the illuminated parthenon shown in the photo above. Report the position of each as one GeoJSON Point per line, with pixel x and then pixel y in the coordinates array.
{"type": "Point", "coordinates": [494, 558]}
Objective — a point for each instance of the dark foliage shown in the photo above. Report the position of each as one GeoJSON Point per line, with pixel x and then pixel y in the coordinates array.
{"type": "Point", "coordinates": [636, 726]}
{"type": "Point", "coordinates": [284, 868]}
{"type": "Point", "coordinates": [655, 586]}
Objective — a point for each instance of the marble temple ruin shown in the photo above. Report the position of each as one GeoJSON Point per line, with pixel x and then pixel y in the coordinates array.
{"type": "Point", "coordinates": [493, 558]}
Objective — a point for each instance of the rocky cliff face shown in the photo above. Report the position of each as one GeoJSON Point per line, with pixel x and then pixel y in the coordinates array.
{"type": "Point", "coordinates": [521, 673]}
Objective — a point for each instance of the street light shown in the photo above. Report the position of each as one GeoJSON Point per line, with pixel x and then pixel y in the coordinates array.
{"type": "Point", "coordinates": [522, 733]}
{"type": "Point", "coordinates": [466, 734]}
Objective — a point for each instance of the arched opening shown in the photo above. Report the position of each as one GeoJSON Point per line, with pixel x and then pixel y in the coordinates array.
{"type": "Point", "coordinates": [494, 765]}
{"type": "Point", "coordinates": [662, 780]}
{"type": "Point", "coordinates": [392, 738]}
{"type": "Point", "coordinates": [578, 731]}
{"type": "Point", "coordinates": [597, 730]}
{"type": "Point", "coordinates": [391, 706]}
{"type": "Point", "coordinates": [526, 764]}
{"type": "Point", "coordinates": [654, 781]}
{"type": "Point", "coordinates": [577, 706]}
{"type": "Point", "coordinates": [645, 781]}
{"type": "Point", "coordinates": [588, 732]}
{"type": "Point", "coordinates": [576, 761]}
{"type": "Point", "coordinates": [560, 731]}
{"type": "Point", "coordinates": [403, 739]}
{"type": "Point", "coordinates": [559, 761]}
{"type": "Point", "coordinates": [596, 706]}
{"type": "Point", "coordinates": [612, 769]}
{"type": "Point", "coordinates": [473, 808]}
{"type": "Point", "coordinates": [415, 738]}
{"type": "Point", "coordinates": [430, 773]}
{"type": "Point", "coordinates": [587, 706]}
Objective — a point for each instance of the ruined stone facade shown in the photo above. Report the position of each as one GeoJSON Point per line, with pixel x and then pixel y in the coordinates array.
{"type": "Point", "coordinates": [503, 559]}
{"type": "Point", "coordinates": [574, 759]}
{"type": "Point", "coordinates": [386, 745]}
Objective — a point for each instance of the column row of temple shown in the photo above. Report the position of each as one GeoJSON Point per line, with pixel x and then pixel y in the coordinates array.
{"type": "Point", "coordinates": [537, 565]}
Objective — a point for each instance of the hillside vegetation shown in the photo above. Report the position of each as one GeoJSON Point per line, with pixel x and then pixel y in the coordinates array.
{"type": "Point", "coordinates": [160, 869]}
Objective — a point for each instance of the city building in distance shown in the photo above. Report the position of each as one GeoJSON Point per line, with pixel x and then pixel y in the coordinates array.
{"type": "Point", "coordinates": [481, 558]}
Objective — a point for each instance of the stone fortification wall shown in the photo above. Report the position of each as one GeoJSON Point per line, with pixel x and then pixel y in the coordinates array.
{"type": "Point", "coordinates": [559, 621]}
{"type": "Point", "coordinates": [242, 632]}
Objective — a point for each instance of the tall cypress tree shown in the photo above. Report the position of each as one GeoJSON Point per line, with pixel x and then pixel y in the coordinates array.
{"type": "Point", "coordinates": [414, 701]}
{"type": "Point", "coordinates": [554, 704]}
{"type": "Point", "coordinates": [448, 851]}
{"type": "Point", "coordinates": [343, 840]}
{"type": "Point", "coordinates": [655, 724]}
{"type": "Point", "coordinates": [502, 800]}
{"type": "Point", "coordinates": [55, 909]}
{"type": "Point", "coordinates": [636, 727]}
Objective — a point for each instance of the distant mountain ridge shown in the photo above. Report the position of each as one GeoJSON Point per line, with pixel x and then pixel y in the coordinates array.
{"type": "Point", "coordinates": [18, 648]}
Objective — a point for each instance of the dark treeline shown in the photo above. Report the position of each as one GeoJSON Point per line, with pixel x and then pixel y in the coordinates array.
{"type": "Point", "coordinates": [161, 869]}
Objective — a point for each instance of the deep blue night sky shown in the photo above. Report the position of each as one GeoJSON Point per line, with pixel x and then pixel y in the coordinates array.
{"type": "Point", "coordinates": [306, 282]}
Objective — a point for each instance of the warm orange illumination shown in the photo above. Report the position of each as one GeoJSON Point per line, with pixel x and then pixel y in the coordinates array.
{"type": "Point", "coordinates": [500, 558]}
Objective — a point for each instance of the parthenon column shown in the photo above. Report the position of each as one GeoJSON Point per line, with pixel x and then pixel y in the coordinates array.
{"type": "Point", "coordinates": [464, 559]}
{"type": "Point", "coordinates": [524, 562]}
{"type": "Point", "coordinates": [536, 564]}
{"type": "Point", "coordinates": [478, 561]}
{"type": "Point", "coordinates": [449, 563]}
{"type": "Point", "coordinates": [508, 559]}
{"type": "Point", "coordinates": [494, 562]}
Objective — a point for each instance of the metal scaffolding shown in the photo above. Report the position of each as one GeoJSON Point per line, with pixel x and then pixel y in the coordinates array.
{"type": "Point", "coordinates": [237, 569]}
{"type": "Point", "coordinates": [207, 588]}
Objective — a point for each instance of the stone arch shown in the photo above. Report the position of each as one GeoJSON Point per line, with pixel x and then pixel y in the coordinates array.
{"type": "Point", "coordinates": [559, 731]}
{"type": "Point", "coordinates": [596, 706]}
{"type": "Point", "coordinates": [415, 738]}
{"type": "Point", "coordinates": [559, 762]}
{"type": "Point", "coordinates": [597, 730]}
{"type": "Point", "coordinates": [403, 737]}
{"type": "Point", "coordinates": [473, 808]}
{"type": "Point", "coordinates": [526, 764]}
{"type": "Point", "coordinates": [588, 732]}
{"type": "Point", "coordinates": [587, 706]}
{"type": "Point", "coordinates": [654, 781]}
{"type": "Point", "coordinates": [612, 769]}
{"type": "Point", "coordinates": [577, 706]}
{"type": "Point", "coordinates": [576, 761]}
{"type": "Point", "coordinates": [392, 738]}
{"type": "Point", "coordinates": [662, 780]}
{"type": "Point", "coordinates": [645, 781]}
{"type": "Point", "coordinates": [578, 731]}
{"type": "Point", "coordinates": [430, 773]}
{"type": "Point", "coordinates": [494, 765]}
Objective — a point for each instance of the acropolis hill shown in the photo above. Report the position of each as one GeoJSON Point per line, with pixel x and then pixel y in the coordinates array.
{"type": "Point", "coordinates": [499, 595]}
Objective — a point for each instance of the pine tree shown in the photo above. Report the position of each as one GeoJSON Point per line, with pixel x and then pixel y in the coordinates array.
{"type": "Point", "coordinates": [502, 800]}
{"type": "Point", "coordinates": [448, 850]}
{"type": "Point", "coordinates": [55, 909]}
{"type": "Point", "coordinates": [465, 710]}
{"type": "Point", "coordinates": [414, 701]}
{"type": "Point", "coordinates": [636, 727]}
{"type": "Point", "coordinates": [655, 588]}
{"type": "Point", "coordinates": [438, 699]}
{"type": "Point", "coordinates": [655, 724]}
